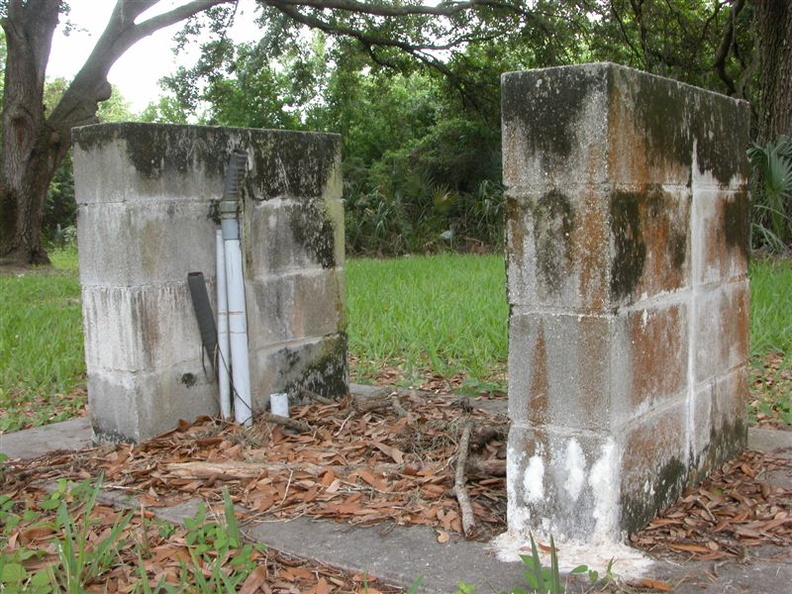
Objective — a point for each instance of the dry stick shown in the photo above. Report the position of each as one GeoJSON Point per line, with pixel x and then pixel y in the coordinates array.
{"type": "Point", "coordinates": [306, 393]}
{"type": "Point", "coordinates": [468, 521]}
{"type": "Point", "coordinates": [288, 423]}
{"type": "Point", "coordinates": [235, 470]}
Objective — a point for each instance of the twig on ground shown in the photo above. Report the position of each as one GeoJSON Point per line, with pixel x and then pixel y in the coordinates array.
{"type": "Point", "coordinates": [306, 393]}
{"type": "Point", "coordinates": [294, 424]}
{"type": "Point", "coordinates": [468, 520]}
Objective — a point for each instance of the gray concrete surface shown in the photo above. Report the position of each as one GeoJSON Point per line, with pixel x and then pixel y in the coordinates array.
{"type": "Point", "coordinates": [145, 195]}
{"type": "Point", "coordinates": [628, 292]}
{"type": "Point", "coordinates": [74, 434]}
{"type": "Point", "coordinates": [399, 555]}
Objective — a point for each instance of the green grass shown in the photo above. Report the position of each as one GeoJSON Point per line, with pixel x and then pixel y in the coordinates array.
{"type": "Point", "coordinates": [41, 346]}
{"type": "Point", "coordinates": [447, 314]}
{"type": "Point", "coordinates": [444, 315]}
{"type": "Point", "coordinates": [771, 307]}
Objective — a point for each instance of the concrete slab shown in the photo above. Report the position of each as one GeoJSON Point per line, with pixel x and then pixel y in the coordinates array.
{"type": "Point", "coordinates": [73, 434]}
{"type": "Point", "coordinates": [400, 555]}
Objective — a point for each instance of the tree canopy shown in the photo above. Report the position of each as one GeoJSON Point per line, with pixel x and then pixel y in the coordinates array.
{"type": "Point", "coordinates": [426, 77]}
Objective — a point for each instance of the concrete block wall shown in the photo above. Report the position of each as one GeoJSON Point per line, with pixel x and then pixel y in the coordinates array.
{"type": "Point", "coordinates": [627, 253]}
{"type": "Point", "coordinates": [146, 199]}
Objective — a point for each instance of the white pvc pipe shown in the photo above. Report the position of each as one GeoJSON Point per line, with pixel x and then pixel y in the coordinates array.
{"type": "Point", "coordinates": [279, 404]}
{"type": "Point", "coordinates": [237, 331]}
{"type": "Point", "coordinates": [223, 347]}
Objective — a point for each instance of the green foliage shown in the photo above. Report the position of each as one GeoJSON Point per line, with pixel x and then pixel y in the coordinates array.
{"type": "Point", "coordinates": [772, 220]}
{"type": "Point", "coordinates": [83, 562]}
{"type": "Point", "coordinates": [214, 548]}
{"type": "Point", "coordinates": [79, 561]}
{"type": "Point", "coordinates": [771, 339]}
{"type": "Point", "coordinates": [771, 306]}
{"type": "Point", "coordinates": [60, 207]}
{"type": "Point", "coordinates": [219, 560]}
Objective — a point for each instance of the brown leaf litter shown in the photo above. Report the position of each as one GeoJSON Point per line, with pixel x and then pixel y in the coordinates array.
{"type": "Point", "coordinates": [391, 464]}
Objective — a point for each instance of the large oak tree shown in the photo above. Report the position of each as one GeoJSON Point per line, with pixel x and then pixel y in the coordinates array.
{"type": "Point", "coordinates": [35, 141]}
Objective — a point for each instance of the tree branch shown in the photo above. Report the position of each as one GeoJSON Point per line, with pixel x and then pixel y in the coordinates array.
{"type": "Point", "coordinates": [386, 10]}
{"type": "Point", "coordinates": [725, 45]}
{"type": "Point", "coordinates": [89, 87]}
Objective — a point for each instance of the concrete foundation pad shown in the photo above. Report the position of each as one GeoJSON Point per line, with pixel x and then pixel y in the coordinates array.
{"type": "Point", "coordinates": [74, 434]}
{"type": "Point", "coordinates": [400, 555]}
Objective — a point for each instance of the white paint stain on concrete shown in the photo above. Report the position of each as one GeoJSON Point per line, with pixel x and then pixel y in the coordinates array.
{"type": "Point", "coordinates": [604, 482]}
{"type": "Point", "coordinates": [533, 480]}
{"type": "Point", "coordinates": [627, 563]}
{"type": "Point", "coordinates": [575, 466]}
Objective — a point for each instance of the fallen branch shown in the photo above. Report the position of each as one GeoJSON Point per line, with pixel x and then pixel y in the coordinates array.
{"type": "Point", "coordinates": [293, 424]}
{"type": "Point", "coordinates": [371, 403]}
{"type": "Point", "coordinates": [235, 470]}
{"type": "Point", "coordinates": [468, 520]}
{"type": "Point", "coordinates": [487, 468]}
{"type": "Point", "coordinates": [306, 393]}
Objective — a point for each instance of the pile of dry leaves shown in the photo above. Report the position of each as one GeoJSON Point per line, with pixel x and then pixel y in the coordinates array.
{"type": "Point", "coordinates": [746, 504]}
{"type": "Point", "coordinates": [394, 459]}
{"type": "Point", "coordinates": [397, 459]}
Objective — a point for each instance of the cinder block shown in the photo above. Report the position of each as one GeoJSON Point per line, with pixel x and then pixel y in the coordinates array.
{"type": "Point", "coordinates": [656, 343]}
{"type": "Point", "coordinates": [627, 258]}
{"type": "Point", "coordinates": [142, 243]}
{"type": "Point", "coordinates": [563, 484]}
{"type": "Point", "coordinates": [296, 306]}
{"type": "Point", "coordinates": [555, 254]}
{"type": "Point", "coordinates": [144, 328]}
{"type": "Point", "coordinates": [287, 235]}
{"type": "Point", "coordinates": [319, 365]}
{"type": "Point", "coordinates": [649, 235]}
{"type": "Point", "coordinates": [720, 233]}
{"type": "Point", "coordinates": [655, 465]}
{"type": "Point", "coordinates": [719, 427]}
{"type": "Point", "coordinates": [592, 250]}
{"type": "Point", "coordinates": [130, 162]}
{"type": "Point", "coordinates": [147, 218]}
{"type": "Point", "coordinates": [721, 330]}
{"type": "Point", "coordinates": [138, 406]}
{"type": "Point", "coordinates": [553, 355]}
{"type": "Point", "coordinates": [555, 128]}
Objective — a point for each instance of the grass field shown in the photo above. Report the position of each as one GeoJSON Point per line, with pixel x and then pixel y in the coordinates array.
{"type": "Point", "coordinates": [42, 369]}
{"type": "Point", "coordinates": [437, 315]}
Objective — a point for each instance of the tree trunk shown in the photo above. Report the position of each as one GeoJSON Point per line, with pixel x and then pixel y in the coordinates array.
{"type": "Point", "coordinates": [774, 36]}
{"type": "Point", "coordinates": [26, 158]}
{"type": "Point", "coordinates": [33, 145]}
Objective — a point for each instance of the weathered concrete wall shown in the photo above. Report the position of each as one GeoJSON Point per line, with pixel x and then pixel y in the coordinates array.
{"type": "Point", "coordinates": [145, 195]}
{"type": "Point", "coordinates": [627, 261]}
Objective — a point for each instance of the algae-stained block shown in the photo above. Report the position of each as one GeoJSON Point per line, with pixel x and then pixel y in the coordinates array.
{"type": "Point", "coordinates": [147, 217]}
{"type": "Point", "coordinates": [626, 255]}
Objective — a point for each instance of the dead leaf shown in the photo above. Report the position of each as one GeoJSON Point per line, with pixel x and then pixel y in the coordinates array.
{"type": "Point", "coordinates": [255, 580]}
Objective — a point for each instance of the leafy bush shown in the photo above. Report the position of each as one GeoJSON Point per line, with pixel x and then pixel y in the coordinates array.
{"type": "Point", "coordinates": [772, 219]}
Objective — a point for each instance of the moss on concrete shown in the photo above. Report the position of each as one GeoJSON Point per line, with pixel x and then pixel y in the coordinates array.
{"type": "Point", "coordinates": [628, 241]}
{"type": "Point", "coordinates": [639, 508]}
{"type": "Point", "coordinates": [326, 374]}
{"type": "Point", "coordinates": [554, 221]}
{"type": "Point", "coordinates": [557, 99]}
{"type": "Point", "coordinates": [737, 220]}
{"type": "Point", "coordinates": [312, 228]}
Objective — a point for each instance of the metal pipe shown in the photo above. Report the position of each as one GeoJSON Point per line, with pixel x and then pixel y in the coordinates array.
{"type": "Point", "coordinates": [223, 348]}
{"type": "Point", "coordinates": [237, 315]}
